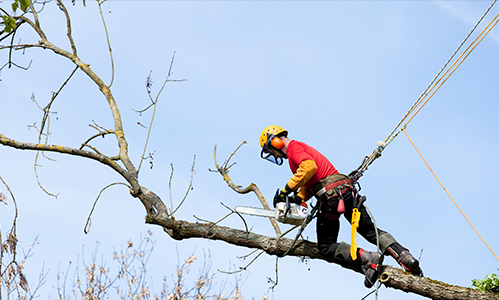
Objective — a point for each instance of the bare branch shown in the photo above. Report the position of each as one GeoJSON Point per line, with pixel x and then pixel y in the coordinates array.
{"type": "Point", "coordinates": [36, 24]}
{"type": "Point", "coordinates": [46, 120]}
{"type": "Point", "coordinates": [86, 229]}
{"type": "Point", "coordinates": [46, 109]}
{"type": "Point", "coordinates": [170, 187]}
{"type": "Point", "coordinates": [189, 188]}
{"type": "Point", "coordinates": [242, 218]}
{"type": "Point", "coordinates": [224, 170]}
{"type": "Point", "coordinates": [22, 46]}
{"type": "Point", "coordinates": [391, 277]}
{"type": "Point", "coordinates": [102, 134]}
{"type": "Point", "coordinates": [398, 279]}
{"type": "Point", "coordinates": [15, 205]}
{"type": "Point", "coordinates": [11, 63]}
{"type": "Point", "coordinates": [71, 151]}
{"type": "Point", "coordinates": [154, 105]}
{"type": "Point", "coordinates": [225, 217]}
{"type": "Point", "coordinates": [122, 143]}
{"type": "Point", "coordinates": [108, 42]}
{"type": "Point", "coordinates": [243, 268]}
{"type": "Point", "coordinates": [68, 21]}
{"type": "Point", "coordinates": [35, 14]}
{"type": "Point", "coordinates": [35, 167]}
{"type": "Point", "coordinates": [276, 281]}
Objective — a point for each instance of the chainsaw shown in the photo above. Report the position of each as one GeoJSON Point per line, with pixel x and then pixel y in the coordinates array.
{"type": "Point", "coordinates": [285, 212]}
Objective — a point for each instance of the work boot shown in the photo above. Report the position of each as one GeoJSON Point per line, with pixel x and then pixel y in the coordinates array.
{"type": "Point", "coordinates": [370, 263]}
{"type": "Point", "coordinates": [409, 263]}
{"type": "Point", "coordinates": [404, 258]}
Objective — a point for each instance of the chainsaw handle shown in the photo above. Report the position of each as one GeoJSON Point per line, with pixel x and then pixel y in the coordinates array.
{"type": "Point", "coordinates": [288, 206]}
{"type": "Point", "coordinates": [276, 197]}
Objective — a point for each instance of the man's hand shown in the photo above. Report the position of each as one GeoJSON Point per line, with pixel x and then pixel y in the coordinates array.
{"type": "Point", "coordinates": [295, 199]}
{"type": "Point", "coordinates": [280, 196]}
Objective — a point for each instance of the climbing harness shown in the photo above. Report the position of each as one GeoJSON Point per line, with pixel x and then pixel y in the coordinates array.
{"type": "Point", "coordinates": [358, 201]}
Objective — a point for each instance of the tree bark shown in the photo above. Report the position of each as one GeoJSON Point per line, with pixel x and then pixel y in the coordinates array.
{"type": "Point", "coordinates": [426, 287]}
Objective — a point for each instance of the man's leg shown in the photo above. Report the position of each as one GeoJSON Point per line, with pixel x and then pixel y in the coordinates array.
{"type": "Point", "coordinates": [387, 243]}
{"type": "Point", "coordinates": [327, 234]}
{"type": "Point", "coordinates": [402, 256]}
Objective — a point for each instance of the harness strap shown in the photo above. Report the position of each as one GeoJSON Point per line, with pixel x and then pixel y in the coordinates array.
{"type": "Point", "coordinates": [322, 190]}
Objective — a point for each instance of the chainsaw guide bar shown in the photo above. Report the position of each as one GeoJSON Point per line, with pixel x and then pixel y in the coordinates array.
{"type": "Point", "coordinates": [255, 211]}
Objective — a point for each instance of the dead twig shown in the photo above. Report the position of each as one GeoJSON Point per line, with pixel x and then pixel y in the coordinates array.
{"type": "Point", "coordinates": [189, 188]}
{"type": "Point", "coordinates": [245, 267]}
{"type": "Point", "coordinates": [86, 229]}
{"type": "Point", "coordinates": [224, 171]}
{"type": "Point", "coordinates": [108, 41]}
{"type": "Point", "coordinates": [154, 105]}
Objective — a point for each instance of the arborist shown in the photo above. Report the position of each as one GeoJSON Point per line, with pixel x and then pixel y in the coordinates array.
{"type": "Point", "coordinates": [314, 175]}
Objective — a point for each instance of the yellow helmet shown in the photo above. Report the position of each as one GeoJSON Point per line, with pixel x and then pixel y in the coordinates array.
{"type": "Point", "coordinates": [272, 130]}
{"type": "Point", "coordinates": [270, 139]}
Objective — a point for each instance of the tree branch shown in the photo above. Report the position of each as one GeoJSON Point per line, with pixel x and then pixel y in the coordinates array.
{"type": "Point", "coordinates": [71, 151]}
{"type": "Point", "coordinates": [68, 21]}
{"type": "Point", "coordinates": [108, 42]}
{"type": "Point", "coordinates": [391, 277]}
{"type": "Point", "coordinates": [426, 287]}
{"type": "Point", "coordinates": [224, 171]}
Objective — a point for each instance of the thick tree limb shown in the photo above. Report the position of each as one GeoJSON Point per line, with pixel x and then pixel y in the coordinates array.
{"type": "Point", "coordinates": [390, 277]}
{"type": "Point", "coordinates": [426, 287]}
{"type": "Point", "coordinates": [273, 246]}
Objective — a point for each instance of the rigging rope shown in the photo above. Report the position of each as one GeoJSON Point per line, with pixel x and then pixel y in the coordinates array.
{"type": "Point", "coordinates": [439, 72]}
{"type": "Point", "coordinates": [449, 194]}
{"type": "Point", "coordinates": [368, 160]}
{"type": "Point", "coordinates": [383, 144]}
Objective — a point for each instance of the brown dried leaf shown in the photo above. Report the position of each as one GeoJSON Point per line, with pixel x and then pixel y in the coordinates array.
{"type": "Point", "coordinates": [23, 283]}
{"type": "Point", "coordinates": [12, 242]}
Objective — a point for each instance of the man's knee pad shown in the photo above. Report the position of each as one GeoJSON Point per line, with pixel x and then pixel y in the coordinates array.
{"type": "Point", "coordinates": [385, 240]}
{"type": "Point", "coordinates": [342, 254]}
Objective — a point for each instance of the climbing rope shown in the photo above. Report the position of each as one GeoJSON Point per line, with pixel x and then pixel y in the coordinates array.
{"type": "Point", "coordinates": [450, 195]}
{"type": "Point", "coordinates": [419, 104]}
{"type": "Point", "coordinates": [425, 92]}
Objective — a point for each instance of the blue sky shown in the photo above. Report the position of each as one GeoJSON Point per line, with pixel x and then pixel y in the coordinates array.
{"type": "Point", "coordinates": [338, 75]}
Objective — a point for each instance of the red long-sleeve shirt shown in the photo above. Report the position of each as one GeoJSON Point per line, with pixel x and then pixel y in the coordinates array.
{"type": "Point", "coordinates": [302, 159]}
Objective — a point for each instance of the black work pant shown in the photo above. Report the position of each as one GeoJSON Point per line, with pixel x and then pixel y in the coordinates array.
{"type": "Point", "coordinates": [327, 229]}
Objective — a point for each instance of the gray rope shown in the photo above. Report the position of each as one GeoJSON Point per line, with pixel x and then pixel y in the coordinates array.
{"type": "Point", "coordinates": [431, 83]}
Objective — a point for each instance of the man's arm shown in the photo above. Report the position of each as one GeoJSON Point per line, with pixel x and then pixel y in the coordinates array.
{"type": "Point", "coordinates": [305, 171]}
